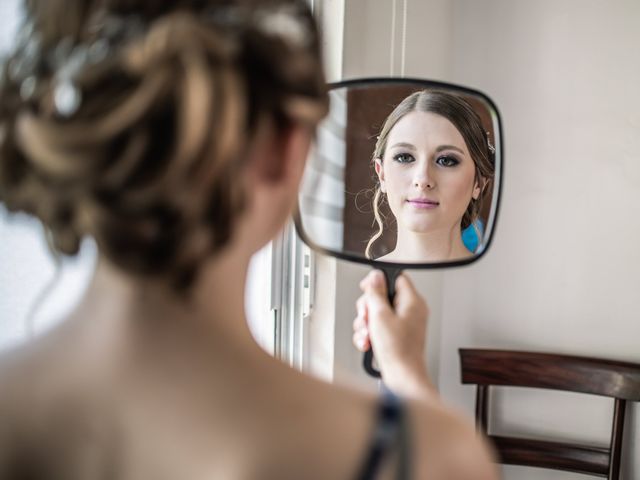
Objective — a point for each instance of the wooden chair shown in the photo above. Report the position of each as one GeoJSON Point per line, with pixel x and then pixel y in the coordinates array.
{"type": "Point", "coordinates": [618, 380]}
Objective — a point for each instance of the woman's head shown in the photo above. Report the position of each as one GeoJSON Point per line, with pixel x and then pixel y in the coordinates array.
{"type": "Point", "coordinates": [130, 120]}
{"type": "Point", "coordinates": [433, 162]}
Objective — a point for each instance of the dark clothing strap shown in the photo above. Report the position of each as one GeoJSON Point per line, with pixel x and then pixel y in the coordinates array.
{"type": "Point", "coordinates": [390, 435]}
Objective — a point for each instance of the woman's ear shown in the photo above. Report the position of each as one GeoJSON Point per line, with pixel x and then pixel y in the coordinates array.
{"type": "Point", "coordinates": [271, 178]}
{"type": "Point", "coordinates": [280, 153]}
{"type": "Point", "coordinates": [295, 150]}
{"type": "Point", "coordinates": [380, 173]}
{"type": "Point", "coordinates": [478, 187]}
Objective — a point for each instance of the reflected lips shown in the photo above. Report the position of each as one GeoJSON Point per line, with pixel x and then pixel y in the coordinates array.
{"type": "Point", "coordinates": [423, 203]}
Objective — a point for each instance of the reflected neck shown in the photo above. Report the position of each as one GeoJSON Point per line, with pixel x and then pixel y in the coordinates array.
{"type": "Point", "coordinates": [436, 246]}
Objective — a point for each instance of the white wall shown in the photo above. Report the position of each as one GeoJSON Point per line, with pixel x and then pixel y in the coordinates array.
{"type": "Point", "coordinates": [563, 274]}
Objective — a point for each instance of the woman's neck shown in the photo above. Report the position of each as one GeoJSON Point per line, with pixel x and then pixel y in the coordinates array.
{"type": "Point", "coordinates": [439, 245]}
{"type": "Point", "coordinates": [122, 309]}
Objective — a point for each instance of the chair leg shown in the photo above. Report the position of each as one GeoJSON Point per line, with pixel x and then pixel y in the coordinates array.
{"type": "Point", "coordinates": [616, 439]}
{"type": "Point", "coordinates": [482, 399]}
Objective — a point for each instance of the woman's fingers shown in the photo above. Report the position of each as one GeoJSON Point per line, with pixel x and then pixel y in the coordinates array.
{"type": "Point", "coordinates": [398, 330]}
{"type": "Point", "coordinates": [372, 303]}
{"type": "Point", "coordinates": [375, 294]}
{"type": "Point", "coordinates": [396, 333]}
{"type": "Point", "coordinates": [374, 279]}
{"type": "Point", "coordinates": [361, 312]}
{"type": "Point", "coordinates": [360, 329]}
{"type": "Point", "coordinates": [361, 340]}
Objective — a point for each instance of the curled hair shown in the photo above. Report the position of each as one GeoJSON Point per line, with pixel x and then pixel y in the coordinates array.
{"type": "Point", "coordinates": [149, 160]}
{"type": "Point", "coordinates": [467, 121]}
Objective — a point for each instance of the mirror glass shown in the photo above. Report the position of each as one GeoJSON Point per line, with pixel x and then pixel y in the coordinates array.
{"type": "Point", "coordinates": [403, 172]}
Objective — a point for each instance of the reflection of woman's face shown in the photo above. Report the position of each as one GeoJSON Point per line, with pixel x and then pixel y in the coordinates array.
{"type": "Point", "coordinates": [427, 173]}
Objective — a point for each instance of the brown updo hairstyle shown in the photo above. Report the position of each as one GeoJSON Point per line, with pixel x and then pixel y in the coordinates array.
{"type": "Point", "coordinates": [467, 121]}
{"type": "Point", "coordinates": [146, 155]}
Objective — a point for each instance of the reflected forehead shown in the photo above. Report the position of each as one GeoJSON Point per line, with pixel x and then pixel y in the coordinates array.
{"type": "Point", "coordinates": [425, 130]}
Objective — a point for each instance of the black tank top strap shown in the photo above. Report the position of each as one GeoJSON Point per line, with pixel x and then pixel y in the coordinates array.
{"type": "Point", "coordinates": [390, 435]}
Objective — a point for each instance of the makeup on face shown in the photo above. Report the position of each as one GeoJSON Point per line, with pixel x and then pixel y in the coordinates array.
{"type": "Point", "coordinates": [427, 170]}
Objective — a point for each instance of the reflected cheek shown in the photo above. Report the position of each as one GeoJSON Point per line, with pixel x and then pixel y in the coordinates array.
{"type": "Point", "coordinates": [458, 192]}
{"type": "Point", "coordinates": [396, 187]}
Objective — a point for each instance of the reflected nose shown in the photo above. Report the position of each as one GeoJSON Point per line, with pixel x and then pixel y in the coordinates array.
{"type": "Point", "coordinates": [423, 178]}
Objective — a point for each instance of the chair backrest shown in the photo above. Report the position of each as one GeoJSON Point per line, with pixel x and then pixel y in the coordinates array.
{"type": "Point", "coordinates": [618, 380]}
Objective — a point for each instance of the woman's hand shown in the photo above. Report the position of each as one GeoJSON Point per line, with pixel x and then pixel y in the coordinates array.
{"type": "Point", "coordinates": [397, 334]}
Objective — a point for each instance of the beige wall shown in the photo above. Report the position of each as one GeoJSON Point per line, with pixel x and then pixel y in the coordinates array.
{"type": "Point", "coordinates": [564, 272]}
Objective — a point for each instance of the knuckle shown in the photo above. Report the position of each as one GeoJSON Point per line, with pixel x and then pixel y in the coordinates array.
{"type": "Point", "coordinates": [376, 310]}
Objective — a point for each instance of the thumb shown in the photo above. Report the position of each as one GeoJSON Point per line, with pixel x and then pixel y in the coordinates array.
{"type": "Point", "coordinates": [378, 282]}
{"type": "Point", "coordinates": [375, 288]}
{"type": "Point", "coordinates": [406, 294]}
{"type": "Point", "coordinates": [374, 283]}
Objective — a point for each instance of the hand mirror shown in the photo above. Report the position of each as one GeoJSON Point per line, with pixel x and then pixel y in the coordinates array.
{"type": "Point", "coordinates": [404, 173]}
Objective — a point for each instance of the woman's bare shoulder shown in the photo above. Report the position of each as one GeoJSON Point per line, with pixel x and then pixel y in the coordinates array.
{"type": "Point", "coordinates": [48, 408]}
{"type": "Point", "coordinates": [448, 444]}
{"type": "Point", "coordinates": [343, 422]}
{"type": "Point", "coordinates": [42, 383]}
{"type": "Point", "coordinates": [21, 371]}
{"type": "Point", "coordinates": [35, 375]}
{"type": "Point", "coordinates": [37, 363]}
{"type": "Point", "coordinates": [451, 447]}
{"type": "Point", "coordinates": [323, 429]}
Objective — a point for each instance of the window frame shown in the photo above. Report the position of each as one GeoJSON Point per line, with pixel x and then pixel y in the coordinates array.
{"type": "Point", "coordinates": [292, 282]}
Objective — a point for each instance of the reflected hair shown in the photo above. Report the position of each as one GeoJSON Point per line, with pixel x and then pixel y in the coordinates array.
{"type": "Point", "coordinates": [130, 120]}
{"type": "Point", "coordinates": [467, 121]}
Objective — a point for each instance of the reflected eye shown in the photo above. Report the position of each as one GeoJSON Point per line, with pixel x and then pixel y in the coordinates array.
{"type": "Point", "coordinates": [447, 161]}
{"type": "Point", "coordinates": [403, 158]}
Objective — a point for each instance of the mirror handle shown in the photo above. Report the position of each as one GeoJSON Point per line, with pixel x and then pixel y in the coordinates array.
{"type": "Point", "coordinates": [390, 275]}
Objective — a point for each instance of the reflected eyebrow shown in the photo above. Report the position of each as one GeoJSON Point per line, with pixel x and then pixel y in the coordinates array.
{"type": "Point", "coordinates": [403, 144]}
{"type": "Point", "coordinates": [449, 147]}
{"type": "Point", "coordinates": [438, 150]}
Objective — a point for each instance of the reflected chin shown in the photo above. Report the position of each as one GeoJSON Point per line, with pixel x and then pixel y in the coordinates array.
{"type": "Point", "coordinates": [426, 222]}
{"type": "Point", "coordinates": [417, 226]}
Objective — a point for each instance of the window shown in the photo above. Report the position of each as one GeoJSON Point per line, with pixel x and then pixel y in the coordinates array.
{"type": "Point", "coordinates": [279, 297]}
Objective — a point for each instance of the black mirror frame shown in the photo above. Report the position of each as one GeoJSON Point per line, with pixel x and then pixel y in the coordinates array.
{"type": "Point", "coordinates": [497, 182]}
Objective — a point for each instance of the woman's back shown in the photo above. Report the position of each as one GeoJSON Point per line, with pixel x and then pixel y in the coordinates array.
{"type": "Point", "coordinates": [129, 398]}
{"type": "Point", "coordinates": [182, 408]}
{"type": "Point", "coordinates": [136, 386]}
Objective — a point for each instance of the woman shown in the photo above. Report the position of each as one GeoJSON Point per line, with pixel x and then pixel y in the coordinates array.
{"type": "Point", "coordinates": [175, 133]}
{"type": "Point", "coordinates": [434, 164]}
